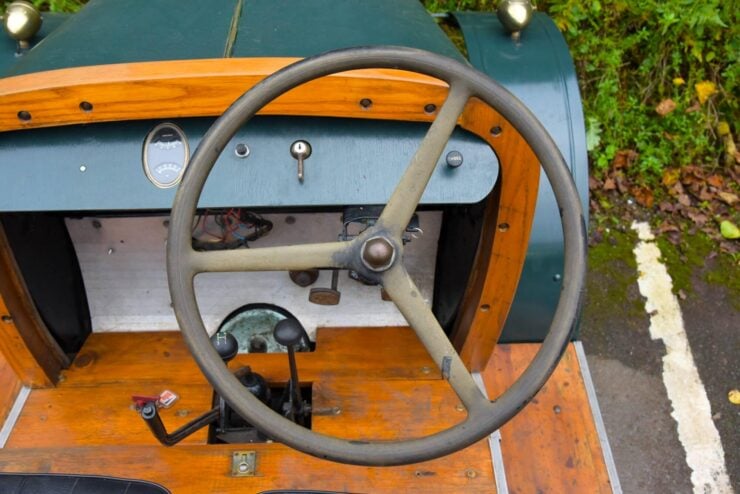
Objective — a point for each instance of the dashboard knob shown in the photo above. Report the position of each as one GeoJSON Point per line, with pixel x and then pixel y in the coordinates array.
{"type": "Point", "coordinates": [300, 150]}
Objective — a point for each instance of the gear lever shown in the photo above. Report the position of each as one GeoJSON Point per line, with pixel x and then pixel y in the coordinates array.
{"type": "Point", "coordinates": [289, 333]}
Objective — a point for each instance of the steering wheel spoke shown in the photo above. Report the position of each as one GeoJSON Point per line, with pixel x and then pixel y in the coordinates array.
{"type": "Point", "coordinates": [407, 297]}
{"type": "Point", "coordinates": [407, 194]}
{"type": "Point", "coordinates": [284, 258]}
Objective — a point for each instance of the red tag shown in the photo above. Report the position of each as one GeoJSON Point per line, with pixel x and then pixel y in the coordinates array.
{"type": "Point", "coordinates": [167, 398]}
{"type": "Point", "coordinates": [141, 400]}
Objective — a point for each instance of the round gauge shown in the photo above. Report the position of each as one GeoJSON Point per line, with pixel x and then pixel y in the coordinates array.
{"type": "Point", "coordinates": [166, 154]}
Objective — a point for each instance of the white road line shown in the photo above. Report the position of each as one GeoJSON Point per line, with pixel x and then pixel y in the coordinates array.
{"type": "Point", "coordinates": [691, 411]}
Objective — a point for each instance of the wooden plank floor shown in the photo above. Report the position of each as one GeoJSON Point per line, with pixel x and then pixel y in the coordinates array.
{"type": "Point", "coordinates": [10, 386]}
{"type": "Point", "coordinates": [381, 379]}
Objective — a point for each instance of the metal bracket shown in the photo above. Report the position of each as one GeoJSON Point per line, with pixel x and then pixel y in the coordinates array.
{"type": "Point", "coordinates": [243, 463]}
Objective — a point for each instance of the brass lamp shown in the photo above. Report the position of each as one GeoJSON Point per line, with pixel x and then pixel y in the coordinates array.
{"type": "Point", "coordinates": [22, 21]}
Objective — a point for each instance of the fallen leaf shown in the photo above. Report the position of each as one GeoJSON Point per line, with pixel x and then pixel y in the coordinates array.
{"type": "Point", "coordinates": [670, 176]}
{"type": "Point", "coordinates": [693, 108]}
{"type": "Point", "coordinates": [704, 90]}
{"type": "Point", "coordinates": [698, 218]}
{"type": "Point", "coordinates": [666, 227]}
{"type": "Point", "coordinates": [666, 207]}
{"type": "Point", "coordinates": [728, 197]}
{"type": "Point", "coordinates": [593, 184]}
{"type": "Point", "coordinates": [729, 230]}
{"type": "Point", "coordinates": [643, 196]}
{"type": "Point", "coordinates": [609, 184]}
{"type": "Point", "coordinates": [684, 200]}
{"type": "Point", "coordinates": [723, 128]}
{"type": "Point", "coordinates": [665, 107]}
{"type": "Point", "coordinates": [621, 183]}
{"type": "Point", "coordinates": [624, 158]}
{"type": "Point", "coordinates": [715, 181]}
{"type": "Point", "coordinates": [734, 396]}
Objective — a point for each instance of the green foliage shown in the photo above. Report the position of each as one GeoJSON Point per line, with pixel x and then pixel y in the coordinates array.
{"type": "Point", "coordinates": [631, 55]}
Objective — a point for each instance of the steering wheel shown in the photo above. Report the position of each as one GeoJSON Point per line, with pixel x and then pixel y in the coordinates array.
{"type": "Point", "coordinates": [376, 254]}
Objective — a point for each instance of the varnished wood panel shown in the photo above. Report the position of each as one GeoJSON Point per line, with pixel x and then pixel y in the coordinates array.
{"type": "Point", "coordinates": [552, 445]}
{"type": "Point", "coordinates": [103, 415]}
{"type": "Point", "coordinates": [24, 339]}
{"type": "Point", "coordinates": [199, 469]}
{"type": "Point", "coordinates": [194, 88]}
{"type": "Point", "coordinates": [340, 352]}
{"type": "Point", "coordinates": [386, 410]}
{"type": "Point", "coordinates": [10, 385]}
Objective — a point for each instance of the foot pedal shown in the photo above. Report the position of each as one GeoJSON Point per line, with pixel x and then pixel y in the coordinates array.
{"type": "Point", "coordinates": [326, 296]}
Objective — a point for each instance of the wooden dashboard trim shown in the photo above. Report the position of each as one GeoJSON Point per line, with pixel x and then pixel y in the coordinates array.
{"type": "Point", "coordinates": [199, 88]}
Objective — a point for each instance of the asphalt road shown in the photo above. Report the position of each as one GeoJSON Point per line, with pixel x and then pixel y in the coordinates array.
{"type": "Point", "coordinates": [627, 371]}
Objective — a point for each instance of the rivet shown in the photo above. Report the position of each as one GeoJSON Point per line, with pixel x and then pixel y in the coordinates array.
{"type": "Point", "coordinates": [496, 131]}
{"type": "Point", "coordinates": [366, 103]}
{"type": "Point", "coordinates": [557, 277]}
{"type": "Point", "coordinates": [426, 370]}
{"type": "Point", "coordinates": [460, 407]}
{"type": "Point", "coordinates": [485, 308]}
{"type": "Point", "coordinates": [86, 106]}
{"type": "Point", "coordinates": [24, 116]}
{"type": "Point", "coordinates": [556, 409]}
{"type": "Point", "coordinates": [503, 227]}
{"type": "Point", "coordinates": [470, 473]}
{"type": "Point", "coordinates": [241, 150]}
{"type": "Point", "coordinates": [83, 168]}
{"type": "Point", "coordinates": [6, 319]}
{"type": "Point", "coordinates": [430, 108]}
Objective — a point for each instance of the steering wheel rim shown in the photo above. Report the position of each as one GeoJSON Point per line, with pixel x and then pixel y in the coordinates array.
{"type": "Point", "coordinates": [183, 263]}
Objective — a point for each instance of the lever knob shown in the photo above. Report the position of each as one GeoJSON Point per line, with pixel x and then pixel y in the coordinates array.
{"type": "Point", "coordinates": [226, 345]}
{"type": "Point", "coordinates": [300, 150]}
{"type": "Point", "coordinates": [288, 332]}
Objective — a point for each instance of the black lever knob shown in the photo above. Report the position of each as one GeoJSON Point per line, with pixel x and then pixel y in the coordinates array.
{"type": "Point", "coordinates": [288, 332]}
{"type": "Point", "coordinates": [226, 345]}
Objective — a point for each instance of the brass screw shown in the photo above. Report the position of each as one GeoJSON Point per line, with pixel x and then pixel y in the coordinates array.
{"type": "Point", "coordinates": [470, 473]}
{"type": "Point", "coordinates": [460, 407]}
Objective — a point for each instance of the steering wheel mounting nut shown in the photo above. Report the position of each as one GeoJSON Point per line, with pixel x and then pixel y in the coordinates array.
{"type": "Point", "coordinates": [378, 254]}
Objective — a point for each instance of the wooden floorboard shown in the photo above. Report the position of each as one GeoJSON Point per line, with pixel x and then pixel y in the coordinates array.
{"type": "Point", "coordinates": [552, 445]}
{"type": "Point", "coordinates": [10, 386]}
{"type": "Point", "coordinates": [340, 352]}
{"type": "Point", "coordinates": [199, 469]}
{"type": "Point", "coordinates": [380, 384]}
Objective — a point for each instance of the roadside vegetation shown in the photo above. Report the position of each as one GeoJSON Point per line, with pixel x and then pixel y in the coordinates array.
{"type": "Point", "coordinates": [659, 81]}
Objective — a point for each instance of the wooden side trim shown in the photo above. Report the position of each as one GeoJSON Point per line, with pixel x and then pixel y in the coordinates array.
{"type": "Point", "coordinates": [504, 238]}
{"type": "Point", "coordinates": [25, 342]}
{"type": "Point", "coordinates": [207, 87]}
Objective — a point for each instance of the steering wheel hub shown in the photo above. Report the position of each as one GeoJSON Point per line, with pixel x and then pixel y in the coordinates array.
{"type": "Point", "coordinates": [378, 254]}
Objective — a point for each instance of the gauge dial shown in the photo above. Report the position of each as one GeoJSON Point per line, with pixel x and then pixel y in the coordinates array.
{"type": "Point", "coordinates": [166, 154]}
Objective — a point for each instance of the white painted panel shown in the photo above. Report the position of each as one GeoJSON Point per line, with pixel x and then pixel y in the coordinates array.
{"type": "Point", "coordinates": [123, 266]}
